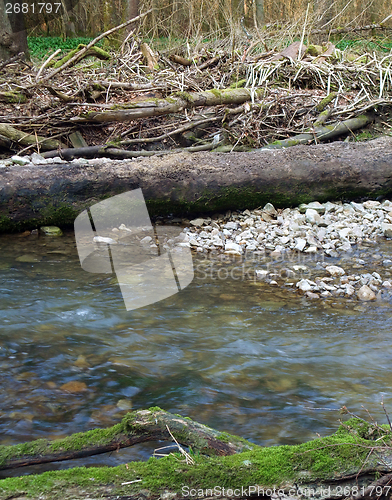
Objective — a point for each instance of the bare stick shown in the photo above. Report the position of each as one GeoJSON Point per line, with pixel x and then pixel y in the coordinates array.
{"type": "Point", "coordinates": [46, 63]}
{"type": "Point", "coordinates": [303, 33]}
{"type": "Point", "coordinates": [188, 458]}
{"type": "Point", "coordinates": [93, 42]}
{"type": "Point", "coordinates": [385, 411]}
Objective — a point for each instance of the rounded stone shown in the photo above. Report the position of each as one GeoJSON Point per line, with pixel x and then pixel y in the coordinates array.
{"type": "Point", "coordinates": [366, 294]}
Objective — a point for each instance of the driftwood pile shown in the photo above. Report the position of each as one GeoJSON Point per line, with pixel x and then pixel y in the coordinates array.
{"type": "Point", "coordinates": [138, 102]}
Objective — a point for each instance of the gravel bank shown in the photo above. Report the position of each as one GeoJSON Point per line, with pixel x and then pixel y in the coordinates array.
{"type": "Point", "coordinates": [325, 234]}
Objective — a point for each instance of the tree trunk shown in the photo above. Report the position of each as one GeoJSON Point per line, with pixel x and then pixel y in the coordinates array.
{"type": "Point", "coordinates": [131, 10]}
{"type": "Point", "coordinates": [36, 195]}
{"type": "Point", "coordinates": [259, 5]}
{"type": "Point", "coordinates": [5, 34]}
{"type": "Point", "coordinates": [19, 34]}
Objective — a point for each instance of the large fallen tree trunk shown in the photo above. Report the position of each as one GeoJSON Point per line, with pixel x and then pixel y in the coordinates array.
{"type": "Point", "coordinates": [345, 464]}
{"type": "Point", "coordinates": [34, 195]}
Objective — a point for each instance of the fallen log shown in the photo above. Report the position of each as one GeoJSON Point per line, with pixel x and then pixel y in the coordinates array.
{"type": "Point", "coordinates": [324, 133]}
{"type": "Point", "coordinates": [24, 139]}
{"type": "Point", "coordinates": [348, 463]}
{"type": "Point", "coordinates": [136, 427]}
{"type": "Point", "coordinates": [172, 104]}
{"type": "Point", "coordinates": [36, 194]}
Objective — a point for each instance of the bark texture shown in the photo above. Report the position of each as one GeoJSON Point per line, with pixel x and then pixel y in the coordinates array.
{"type": "Point", "coordinates": [188, 184]}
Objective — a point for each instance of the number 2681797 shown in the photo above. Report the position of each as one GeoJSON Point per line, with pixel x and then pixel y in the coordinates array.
{"type": "Point", "coordinates": [33, 8]}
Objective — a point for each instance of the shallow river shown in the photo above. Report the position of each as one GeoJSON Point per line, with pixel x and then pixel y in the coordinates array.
{"type": "Point", "coordinates": [235, 354]}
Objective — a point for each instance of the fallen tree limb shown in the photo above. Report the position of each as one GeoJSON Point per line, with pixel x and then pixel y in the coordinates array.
{"type": "Point", "coordinates": [136, 427]}
{"type": "Point", "coordinates": [105, 151]}
{"type": "Point", "coordinates": [24, 139]}
{"type": "Point", "coordinates": [80, 53]}
{"type": "Point", "coordinates": [12, 97]}
{"type": "Point", "coordinates": [172, 104]}
{"type": "Point", "coordinates": [324, 133]}
{"type": "Point", "coordinates": [177, 131]}
{"type": "Point", "coordinates": [130, 86]}
{"type": "Point", "coordinates": [35, 195]}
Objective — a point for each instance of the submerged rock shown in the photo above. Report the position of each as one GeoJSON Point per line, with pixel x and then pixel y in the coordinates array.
{"type": "Point", "coordinates": [74, 386]}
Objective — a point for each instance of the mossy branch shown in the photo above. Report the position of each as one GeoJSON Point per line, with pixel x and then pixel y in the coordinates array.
{"type": "Point", "coordinates": [136, 427]}
{"type": "Point", "coordinates": [324, 133]}
{"type": "Point", "coordinates": [172, 104]}
{"type": "Point", "coordinates": [79, 53]}
{"type": "Point", "coordinates": [24, 139]}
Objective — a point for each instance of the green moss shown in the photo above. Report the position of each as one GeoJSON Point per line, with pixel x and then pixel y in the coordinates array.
{"type": "Point", "coordinates": [7, 225]}
{"type": "Point", "coordinates": [344, 452]}
{"type": "Point", "coordinates": [365, 135]}
{"type": "Point", "coordinates": [239, 84]}
{"type": "Point", "coordinates": [51, 214]}
{"type": "Point", "coordinates": [217, 93]}
{"type": "Point", "coordinates": [186, 96]}
{"type": "Point", "coordinates": [363, 429]}
{"type": "Point", "coordinates": [314, 50]}
{"type": "Point", "coordinates": [69, 56]}
{"type": "Point", "coordinates": [13, 97]}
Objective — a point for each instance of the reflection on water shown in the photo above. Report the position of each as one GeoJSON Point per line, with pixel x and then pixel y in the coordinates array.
{"type": "Point", "coordinates": [234, 354]}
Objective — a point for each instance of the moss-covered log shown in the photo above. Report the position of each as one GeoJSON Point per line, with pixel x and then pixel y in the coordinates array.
{"type": "Point", "coordinates": [79, 53]}
{"type": "Point", "coordinates": [333, 467]}
{"type": "Point", "coordinates": [136, 427]}
{"type": "Point", "coordinates": [180, 184]}
{"type": "Point", "coordinates": [172, 104]}
{"type": "Point", "coordinates": [12, 97]}
{"type": "Point", "coordinates": [24, 139]}
{"type": "Point", "coordinates": [325, 133]}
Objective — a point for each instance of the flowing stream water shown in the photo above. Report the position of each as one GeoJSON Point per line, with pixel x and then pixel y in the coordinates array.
{"type": "Point", "coordinates": [228, 351]}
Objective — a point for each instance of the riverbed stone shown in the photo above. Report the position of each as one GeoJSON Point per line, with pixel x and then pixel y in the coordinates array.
{"type": "Point", "coordinates": [335, 270]}
{"type": "Point", "coordinates": [20, 160]}
{"type": "Point", "coordinates": [371, 204]}
{"type": "Point", "coordinates": [74, 386]}
{"type": "Point", "coordinates": [197, 222]}
{"type": "Point", "coordinates": [300, 244]}
{"type": "Point", "coordinates": [387, 229]}
{"type": "Point", "coordinates": [270, 209]}
{"type": "Point", "coordinates": [305, 285]}
{"type": "Point", "coordinates": [366, 294]}
{"type": "Point", "coordinates": [233, 248]}
{"type": "Point", "coordinates": [28, 258]}
{"type": "Point", "coordinates": [312, 216]}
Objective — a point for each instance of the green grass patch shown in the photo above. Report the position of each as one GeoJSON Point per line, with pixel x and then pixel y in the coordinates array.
{"type": "Point", "coordinates": [43, 46]}
{"type": "Point", "coordinates": [363, 45]}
